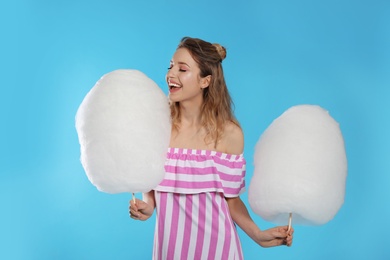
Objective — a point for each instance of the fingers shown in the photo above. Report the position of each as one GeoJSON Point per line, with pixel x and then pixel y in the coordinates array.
{"type": "Point", "coordinates": [137, 210]}
{"type": "Point", "coordinates": [286, 241]}
{"type": "Point", "coordinates": [291, 231]}
{"type": "Point", "coordinates": [286, 235]}
{"type": "Point", "coordinates": [289, 238]}
{"type": "Point", "coordinates": [133, 205]}
{"type": "Point", "coordinates": [134, 214]}
{"type": "Point", "coordinates": [289, 241]}
{"type": "Point", "coordinates": [137, 216]}
{"type": "Point", "coordinates": [280, 232]}
{"type": "Point", "coordinates": [133, 210]}
{"type": "Point", "coordinates": [287, 231]}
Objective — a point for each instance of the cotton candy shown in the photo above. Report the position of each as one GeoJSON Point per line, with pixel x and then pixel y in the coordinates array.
{"type": "Point", "coordinates": [300, 167]}
{"type": "Point", "coordinates": [123, 126]}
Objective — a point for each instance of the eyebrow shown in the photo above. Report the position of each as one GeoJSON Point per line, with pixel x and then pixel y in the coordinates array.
{"type": "Point", "coordinates": [181, 63]}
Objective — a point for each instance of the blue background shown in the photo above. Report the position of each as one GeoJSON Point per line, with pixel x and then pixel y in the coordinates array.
{"type": "Point", "coordinates": [281, 53]}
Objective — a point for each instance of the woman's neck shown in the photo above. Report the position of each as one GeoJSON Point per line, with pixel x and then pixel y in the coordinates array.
{"type": "Point", "coordinates": [190, 115]}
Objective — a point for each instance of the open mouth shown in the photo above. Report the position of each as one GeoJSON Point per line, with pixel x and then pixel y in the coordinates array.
{"type": "Point", "coordinates": [173, 86]}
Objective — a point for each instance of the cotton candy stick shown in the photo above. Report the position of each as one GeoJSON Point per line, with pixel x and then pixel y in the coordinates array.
{"type": "Point", "coordinates": [289, 222]}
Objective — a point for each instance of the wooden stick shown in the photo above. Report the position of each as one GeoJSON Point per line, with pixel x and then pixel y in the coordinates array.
{"type": "Point", "coordinates": [289, 222]}
{"type": "Point", "coordinates": [133, 197]}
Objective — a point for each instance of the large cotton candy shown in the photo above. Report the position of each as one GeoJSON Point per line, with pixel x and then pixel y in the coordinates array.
{"type": "Point", "coordinates": [300, 167]}
{"type": "Point", "coordinates": [124, 128]}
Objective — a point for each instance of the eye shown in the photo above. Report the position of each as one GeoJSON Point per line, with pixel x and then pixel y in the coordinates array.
{"type": "Point", "coordinates": [183, 68]}
{"type": "Point", "coordinates": [170, 65]}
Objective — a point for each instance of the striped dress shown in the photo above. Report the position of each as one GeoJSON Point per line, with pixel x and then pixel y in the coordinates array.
{"type": "Point", "coordinates": [193, 219]}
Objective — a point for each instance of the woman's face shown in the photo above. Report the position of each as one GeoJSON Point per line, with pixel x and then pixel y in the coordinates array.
{"type": "Point", "coordinates": [183, 78]}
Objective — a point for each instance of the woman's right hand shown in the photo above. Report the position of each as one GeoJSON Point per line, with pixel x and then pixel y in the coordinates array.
{"type": "Point", "coordinates": [141, 210]}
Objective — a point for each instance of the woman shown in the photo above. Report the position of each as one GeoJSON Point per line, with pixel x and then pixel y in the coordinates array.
{"type": "Point", "coordinates": [198, 202]}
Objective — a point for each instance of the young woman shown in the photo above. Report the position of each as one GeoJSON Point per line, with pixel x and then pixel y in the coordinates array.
{"type": "Point", "coordinates": [198, 203]}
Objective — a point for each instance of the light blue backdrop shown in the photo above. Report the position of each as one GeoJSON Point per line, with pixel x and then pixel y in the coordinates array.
{"type": "Point", "coordinates": [280, 53]}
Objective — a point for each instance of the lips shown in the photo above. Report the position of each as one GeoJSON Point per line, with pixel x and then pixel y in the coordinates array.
{"type": "Point", "coordinates": [173, 86]}
{"type": "Point", "coordinates": [174, 89]}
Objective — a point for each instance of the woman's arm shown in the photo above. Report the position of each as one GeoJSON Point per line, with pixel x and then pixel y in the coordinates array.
{"type": "Point", "coordinates": [271, 237]}
{"type": "Point", "coordinates": [142, 209]}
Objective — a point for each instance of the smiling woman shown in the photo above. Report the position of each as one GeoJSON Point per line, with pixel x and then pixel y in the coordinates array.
{"type": "Point", "coordinates": [282, 53]}
{"type": "Point", "coordinates": [203, 62]}
{"type": "Point", "coordinates": [198, 204]}
{"type": "Point", "coordinates": [183, 71]}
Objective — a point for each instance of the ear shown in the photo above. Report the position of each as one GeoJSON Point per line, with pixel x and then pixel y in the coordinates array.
{"type": "Point", "coordinates": [205, 82]}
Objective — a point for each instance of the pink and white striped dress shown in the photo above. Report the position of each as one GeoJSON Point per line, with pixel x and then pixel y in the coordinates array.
{"type": "Point", "coordinates": [193, 219]}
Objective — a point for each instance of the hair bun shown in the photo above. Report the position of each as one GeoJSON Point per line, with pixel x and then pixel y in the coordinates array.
{"type": "Point", "coordinates": [221, 51]}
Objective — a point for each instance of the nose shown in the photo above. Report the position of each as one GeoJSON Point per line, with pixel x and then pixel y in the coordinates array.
{"type": "Point", "coordinates": [170, 73]}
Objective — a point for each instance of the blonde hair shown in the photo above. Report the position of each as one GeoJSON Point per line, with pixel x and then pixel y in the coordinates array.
{"type": "Point", "coordinates": [217, 104]}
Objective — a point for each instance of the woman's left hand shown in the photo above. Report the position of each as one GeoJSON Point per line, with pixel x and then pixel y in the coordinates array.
{"type": "Point", "coordinates": [275, 237]}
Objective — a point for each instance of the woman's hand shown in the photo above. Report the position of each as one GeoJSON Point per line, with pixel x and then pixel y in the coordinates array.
{"type": "Point", "coordinates": [275, 237]}
{"type": "Point", "coordinates": [142, 209]}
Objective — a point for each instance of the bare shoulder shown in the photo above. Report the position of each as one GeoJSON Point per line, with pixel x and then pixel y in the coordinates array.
{"type": "Point", "coordinates": [232, 141]}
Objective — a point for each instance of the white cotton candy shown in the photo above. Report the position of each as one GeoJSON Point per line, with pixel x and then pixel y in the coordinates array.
{"type": "Point", "coordinates": [300, 167]}
{"type": "Point", "coordinates": [123, 125]}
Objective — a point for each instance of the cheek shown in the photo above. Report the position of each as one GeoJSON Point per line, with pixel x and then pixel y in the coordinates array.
{"type": "Point", "coordinates": [188, 78]}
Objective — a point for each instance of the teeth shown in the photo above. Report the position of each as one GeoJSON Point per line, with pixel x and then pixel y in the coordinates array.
{"type": "Point", "coordinates": [173, 85]}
